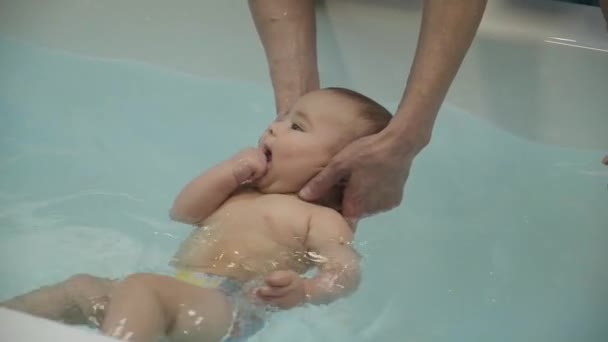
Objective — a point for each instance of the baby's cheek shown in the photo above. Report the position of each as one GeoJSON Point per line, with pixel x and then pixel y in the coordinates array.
{"type": "Point", "coordinates": [290, 152]}
{"type": "Point", "coordinates": [295, 148]}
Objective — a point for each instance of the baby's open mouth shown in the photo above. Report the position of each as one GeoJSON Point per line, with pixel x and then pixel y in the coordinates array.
{"type": "Point", "coordinates": [268, 154]}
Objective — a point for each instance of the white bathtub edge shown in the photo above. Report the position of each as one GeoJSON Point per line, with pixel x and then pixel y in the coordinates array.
{"type": "Point", "coordinates": [17, 327]}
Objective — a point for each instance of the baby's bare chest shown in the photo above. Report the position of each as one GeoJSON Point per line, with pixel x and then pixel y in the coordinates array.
{"type": "Point", "coordinates": [278, 218]}
{"type": "Point", "coordinates": [250, 235]}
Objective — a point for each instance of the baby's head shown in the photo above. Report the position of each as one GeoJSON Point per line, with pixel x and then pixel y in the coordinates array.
{"type": "Point", "coordinates": [319, 125]}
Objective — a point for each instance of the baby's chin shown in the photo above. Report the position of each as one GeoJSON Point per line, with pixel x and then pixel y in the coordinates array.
{"type": "Point", "coordinates": [267, 186]}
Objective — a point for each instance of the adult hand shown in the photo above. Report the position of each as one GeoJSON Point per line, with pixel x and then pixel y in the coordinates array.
{"type": "Point", "coordinates": [375, 167]}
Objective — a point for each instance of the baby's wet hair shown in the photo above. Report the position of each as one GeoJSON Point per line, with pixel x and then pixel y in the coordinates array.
{"type": "Point", "coordinates": [373, 113]}
{"type": "Point", "coordinates": [377, 115]}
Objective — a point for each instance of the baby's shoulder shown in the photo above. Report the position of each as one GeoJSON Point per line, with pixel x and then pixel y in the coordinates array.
{"type": "Point", "coordinates": [283, 203]}
{"type": "Point", "coordinates": [326, 216]}
{"type": "Point", "coordinates": [292, 207]}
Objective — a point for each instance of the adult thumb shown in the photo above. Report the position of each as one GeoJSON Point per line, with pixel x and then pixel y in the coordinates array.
{"type": "Point", "coordinates": [320, 184]}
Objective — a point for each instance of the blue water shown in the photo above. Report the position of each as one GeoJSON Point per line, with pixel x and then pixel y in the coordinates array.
{"type": "Point", "coordinates": [498, 238]}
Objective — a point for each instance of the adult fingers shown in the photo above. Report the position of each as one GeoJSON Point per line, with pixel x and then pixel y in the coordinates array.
{"type": "Point", "coordinates": [352, 203]}
{"type": "Point", "coordinates": [323, 181]}
{"type": "Point", "coordinates": [362, 198]}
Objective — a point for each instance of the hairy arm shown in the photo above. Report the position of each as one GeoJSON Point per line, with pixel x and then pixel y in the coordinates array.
{"type": "Point", "coordinates": [447, 31]}
{"type": "Point", "coordinates": [330, 243]}
{"type": "Point", "coordinates": [288, 34]}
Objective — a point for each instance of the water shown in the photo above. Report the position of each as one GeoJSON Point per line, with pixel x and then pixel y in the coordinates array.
{"type": "Point", "coordinates": [498, 239]}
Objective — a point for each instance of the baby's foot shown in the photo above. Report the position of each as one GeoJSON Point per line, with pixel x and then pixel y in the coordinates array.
{"type": "Point", "coordinates": [605, 160]}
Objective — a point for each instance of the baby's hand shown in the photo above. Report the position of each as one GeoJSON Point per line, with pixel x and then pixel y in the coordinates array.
{"type": "Point", "coordinates": [284, 289]}
{"type": "Point", "coordinates": [249, 165]}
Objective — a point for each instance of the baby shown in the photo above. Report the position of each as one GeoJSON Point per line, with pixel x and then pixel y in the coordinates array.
{"type": "Point", "coordinates": [255, 239]}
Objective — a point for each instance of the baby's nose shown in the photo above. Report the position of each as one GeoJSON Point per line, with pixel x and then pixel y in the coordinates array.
{"type": "Point", "coordinates": [273, 128]}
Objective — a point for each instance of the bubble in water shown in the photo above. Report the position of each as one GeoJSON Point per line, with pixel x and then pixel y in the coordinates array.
{"type": "Point", "coordinates": [93, 320]}
{"type": "Point", "coordinates": [315, 257]}
{"type": "Point", "coordinates": [118, 330]}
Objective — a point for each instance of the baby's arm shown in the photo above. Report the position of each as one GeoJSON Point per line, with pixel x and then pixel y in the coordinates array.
{"type": "Point", "coordinates": [330, 241]}
{"type": "Point", "coordinates": [205, 193]}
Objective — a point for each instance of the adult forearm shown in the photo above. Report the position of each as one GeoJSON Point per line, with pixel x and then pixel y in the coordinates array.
{"type": "Point", "coordinates": [288, 34]}
{"type": "Point", "coordinates": [447, 30]}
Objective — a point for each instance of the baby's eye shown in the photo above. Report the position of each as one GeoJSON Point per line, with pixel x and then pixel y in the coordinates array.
{"type": "Point", "coordinates": [296, 127]}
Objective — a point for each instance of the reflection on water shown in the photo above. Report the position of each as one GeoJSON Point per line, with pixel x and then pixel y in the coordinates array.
{"type": "Point", "coordinates": [210, 248]}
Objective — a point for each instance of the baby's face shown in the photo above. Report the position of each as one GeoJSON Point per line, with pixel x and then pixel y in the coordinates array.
{"type": "Point", "coordinates": [301, 143]}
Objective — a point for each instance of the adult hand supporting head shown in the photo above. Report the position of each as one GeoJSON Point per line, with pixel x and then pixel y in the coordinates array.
{"type": "Point", "coordinates": [378, 166]}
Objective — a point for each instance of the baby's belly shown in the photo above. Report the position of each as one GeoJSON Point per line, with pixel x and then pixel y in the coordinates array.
{"type": "Point", "coordinates": [241, 259]}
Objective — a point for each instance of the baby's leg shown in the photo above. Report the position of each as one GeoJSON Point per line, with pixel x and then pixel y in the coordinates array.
{"type": "Point", "coordinates": [147, 306]}
{"type": "Point", "coordinates": [77, 300]}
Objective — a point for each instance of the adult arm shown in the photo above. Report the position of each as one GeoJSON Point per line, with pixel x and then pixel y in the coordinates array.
{"type": "Point", "coordinates": [447, 31]}
{"type": "Point", "coordinates": [288, 34]}
{"type": "Point", "coordinates": [377, 166]}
